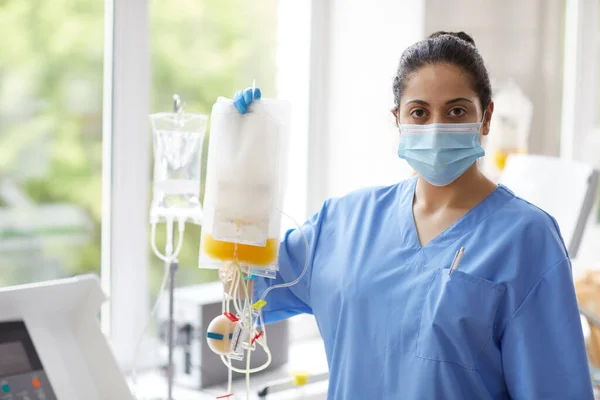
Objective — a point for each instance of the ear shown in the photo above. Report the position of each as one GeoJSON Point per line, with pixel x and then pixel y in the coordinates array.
{"type": "Point", "coordinates": [485, 124]}
{"type": "Point", "coordinates": [395, 114]}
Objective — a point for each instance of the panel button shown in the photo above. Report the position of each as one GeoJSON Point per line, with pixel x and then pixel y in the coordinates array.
{"type": "Point", "coordinates": [35, 382]}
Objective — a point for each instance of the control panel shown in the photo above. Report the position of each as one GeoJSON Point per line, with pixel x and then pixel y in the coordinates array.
{"type": "Point", "coordinates": [22, 375]}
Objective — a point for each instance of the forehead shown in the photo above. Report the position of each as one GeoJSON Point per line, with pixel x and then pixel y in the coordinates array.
{"type": "Point", "coordinates": [438, 82]}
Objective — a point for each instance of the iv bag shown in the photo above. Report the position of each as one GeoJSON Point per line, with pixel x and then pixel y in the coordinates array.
{"type": "Point", "coordinates": [512, 117]}
{"type": "Point", "coordinates": [178, 139]}
{"type": "Point", "coordinates": [509, 128]}
{"type": "Point", "coordinates": [245, 185]}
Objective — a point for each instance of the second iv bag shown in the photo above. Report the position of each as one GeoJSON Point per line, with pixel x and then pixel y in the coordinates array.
{"type": "Point", "coordinates": [178, 139]}
{"type": "Point", "coordinates": [245, 185]}
{"type": "Point", "coordinates": [509, 128]}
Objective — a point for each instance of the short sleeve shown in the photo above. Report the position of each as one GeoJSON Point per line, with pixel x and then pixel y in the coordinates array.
{"type": "Point", "coordinates": [543, 349]}
{"type": "Point", "coordinates": [293, 256]}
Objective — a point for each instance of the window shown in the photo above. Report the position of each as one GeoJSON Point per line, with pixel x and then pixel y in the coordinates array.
{"type": "Point", "coordinates": [596, 36]}
{"type": "Point", "coordinates": [580, 136]}
{"type": "Point", "coordinates": [199, 51]}
{"type": "Point", "coordinates": [51, 69]}
{"type": "Point", "coordinates": [202, 51]}
{"type": "Point", "coordinates": [595, 139]}
{"type": "Point", "coordinates": [75, 139]}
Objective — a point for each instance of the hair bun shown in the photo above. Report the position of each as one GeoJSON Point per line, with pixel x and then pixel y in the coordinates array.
{"type": "Point", "coordinates": [460, 35]}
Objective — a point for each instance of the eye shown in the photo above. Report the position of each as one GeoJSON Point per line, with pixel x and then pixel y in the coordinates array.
{"type": "Point", "coordinates": [457, 112]}
{"type": "Point", "coordinates": [418, 113]}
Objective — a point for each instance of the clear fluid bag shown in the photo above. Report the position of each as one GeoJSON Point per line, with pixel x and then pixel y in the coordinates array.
{"type": "Point", "coordinates": [178, 139]}
{"type": "Point", "coordinates": [510, 127]}
{"type": "Point", "coordinates": [245, 185]}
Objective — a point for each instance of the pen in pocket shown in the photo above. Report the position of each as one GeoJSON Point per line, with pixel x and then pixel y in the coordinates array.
{"type": "Point", "coordinates": [456, 262]}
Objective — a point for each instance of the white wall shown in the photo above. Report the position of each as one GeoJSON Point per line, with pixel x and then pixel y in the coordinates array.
{"type": "Point", "coordinates": [580, 122]}
{"type": "Point", "coordinates": [522, 40]}
{"type": "Point", "coordinates": [293, 71]}
{"type": "Point", "coordinates": [581, 132]}
{"type": "Point", "coordinates": [359, 54]}
{"type": "Point", "coordinates": [358, 45]}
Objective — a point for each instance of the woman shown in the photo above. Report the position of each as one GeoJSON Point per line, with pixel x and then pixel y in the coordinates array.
{"type": "Point", "coordinates": [403, 311]}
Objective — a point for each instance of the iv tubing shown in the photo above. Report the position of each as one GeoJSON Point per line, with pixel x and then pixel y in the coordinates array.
{"type": "Point", "coordinates": [249, 352]}
{"type": "Point", "coordinates": [225, 307]}
{"type": "Point", "coordinates": [165, 280]}
{"type": "Point", "coordinates": [168, 258]}
{"type": "Point", "coordinates": [295, 281]}
{"type": "Point", "coordinates": [262, 341]}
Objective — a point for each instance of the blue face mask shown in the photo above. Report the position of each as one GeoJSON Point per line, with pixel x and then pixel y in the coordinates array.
{"type": "Point", "coordinates": [440, 153]}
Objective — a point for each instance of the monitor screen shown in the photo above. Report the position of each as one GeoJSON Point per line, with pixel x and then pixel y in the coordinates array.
{"type": "Point", "coordinates": [17, 350]}
{"type": "Point", "coordinates": [14, 359]}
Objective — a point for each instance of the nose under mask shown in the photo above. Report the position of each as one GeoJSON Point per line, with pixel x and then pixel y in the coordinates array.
{"type": "Point", "coordinates": [440, 153]}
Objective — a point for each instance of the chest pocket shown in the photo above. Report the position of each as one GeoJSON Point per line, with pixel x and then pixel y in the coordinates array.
{"type": "Point", "coordinates": [458, 316]}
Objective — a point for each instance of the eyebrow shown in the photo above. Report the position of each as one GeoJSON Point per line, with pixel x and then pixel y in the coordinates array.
{"type": "Point", "coordinates": [424, 103]}
{"type": "Point", "coordinates": [421, 102]}
{"type": "Point", "coordinates": [456, 100]}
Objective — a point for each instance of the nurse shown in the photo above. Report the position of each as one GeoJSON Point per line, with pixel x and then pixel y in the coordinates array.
{"type": "Point", "coordinates": [397, 321]}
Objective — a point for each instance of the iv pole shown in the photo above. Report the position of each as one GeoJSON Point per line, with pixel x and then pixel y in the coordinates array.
{"type": "Point", "coordinates": [167, 126]}
{"type": "Point", "coordinates": [177, 108]}
{"type": "Point", "coordinates": [172, 271]}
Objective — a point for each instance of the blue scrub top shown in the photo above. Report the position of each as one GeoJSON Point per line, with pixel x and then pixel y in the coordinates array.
{"type": "Point", "coordinates": [395, 325]}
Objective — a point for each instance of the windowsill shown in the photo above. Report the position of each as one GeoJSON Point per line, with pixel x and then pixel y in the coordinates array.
{"type": "Point", "coordinates": [306, 356]}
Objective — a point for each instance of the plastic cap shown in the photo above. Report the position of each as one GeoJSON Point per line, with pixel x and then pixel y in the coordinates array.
{"type": "Point", "coordinates": [300, 378]}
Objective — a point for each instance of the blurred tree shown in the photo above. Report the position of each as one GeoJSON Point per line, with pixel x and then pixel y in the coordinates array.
{"type": "Point", "coordinates": [51, 80]}
{"type": "Point", "coordinates": [51, 116]}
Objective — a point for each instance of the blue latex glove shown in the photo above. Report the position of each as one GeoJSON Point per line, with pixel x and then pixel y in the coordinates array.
{"type": "Point", "coordinates": [243, 98]}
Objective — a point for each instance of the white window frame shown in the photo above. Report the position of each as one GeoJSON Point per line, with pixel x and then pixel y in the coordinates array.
{"type": "Point", "coordinates": [303, 49]}
{"type": "Point", "coordinates": [126, 174]}
{"type": "Point", "coordinates": [581, 67]}
{"type": "Point", "coordinates": [319, 99]}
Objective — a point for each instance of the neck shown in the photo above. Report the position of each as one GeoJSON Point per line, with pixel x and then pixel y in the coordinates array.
{"type": "Point", "coordinates": [465, 192]}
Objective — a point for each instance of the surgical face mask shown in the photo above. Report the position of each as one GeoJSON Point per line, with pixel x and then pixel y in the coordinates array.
{"type": "Point", "coordinates": [440, 153]}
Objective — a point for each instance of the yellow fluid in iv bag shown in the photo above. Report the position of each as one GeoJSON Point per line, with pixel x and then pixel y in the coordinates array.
{"type": "Point", "coordinates": [502, 154]}
{"type": "Point", "coordinates": [245, 181]}
{"type": "Point", "coordinates": [244, 253]}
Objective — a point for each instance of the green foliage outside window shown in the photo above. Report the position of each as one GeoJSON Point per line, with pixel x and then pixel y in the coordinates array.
{"type": "Point", "coordinates": [51, 80]}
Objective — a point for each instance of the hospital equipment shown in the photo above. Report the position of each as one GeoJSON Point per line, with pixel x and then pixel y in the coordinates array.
{"type": "Point", "coordinates": [245, 185]}
{"type": "Point", "coordinates": [298, 379]}
{"type": "Point", "coordinates": [241, 229]}
{"type": "Point", "coordinates": [241, 214]}
{"type": "Point", "coordinates": [51, 344]}
{"type": "Point", "coordinates": [195, 365]}
{"type": "Point", "coordinates": [178, 139]}
{"type": "Point", "coordinates": [565, 189]}
{"type": "Point", "coordinates": [509, 128]}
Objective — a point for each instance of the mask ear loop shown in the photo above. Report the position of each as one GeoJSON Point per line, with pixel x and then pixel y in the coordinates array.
{"type": "Point", "coordinates": [395, 110]}
{"type": "Point", "coordinates": [483, 118]}
{"type": "Point", "coordinates": [483, 139]}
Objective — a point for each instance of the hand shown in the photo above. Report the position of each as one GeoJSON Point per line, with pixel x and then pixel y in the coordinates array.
{"type": "Point", "coordinates": [243, 98]}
